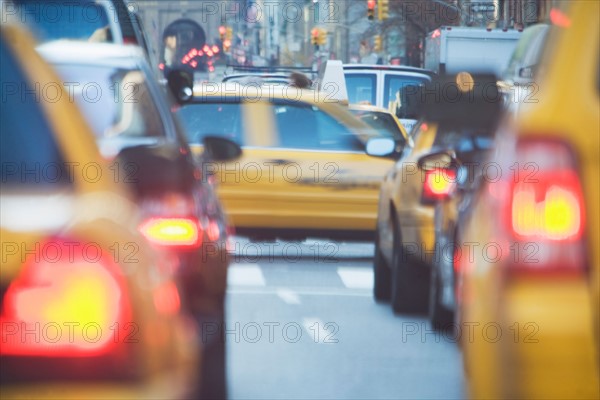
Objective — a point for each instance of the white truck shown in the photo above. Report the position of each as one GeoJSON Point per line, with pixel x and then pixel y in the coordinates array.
{"type": "Point", "coordinates": [452, 49]}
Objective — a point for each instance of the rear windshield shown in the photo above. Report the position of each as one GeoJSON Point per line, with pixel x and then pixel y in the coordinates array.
{"type": "Point", "coordinates": [361, 88]}
{"type": "Point", "coordinates": [397, 95]}
{"type": "Point", "coordinates": [75, 20]}
{"type": "Point", "coordinates": [29, 154]}
{"type": "Point", "coordinates": [123, 95]}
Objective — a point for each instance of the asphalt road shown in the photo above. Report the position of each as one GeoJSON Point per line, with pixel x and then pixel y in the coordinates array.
{"type": "Point", "coordinates": [302, 324]}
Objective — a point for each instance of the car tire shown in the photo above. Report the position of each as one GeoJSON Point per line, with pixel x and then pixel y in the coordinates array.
{"type": "Point", "coordinates": [440, 317]}
{"type": "Point", "coordinates": [382, 275]}
{"type": "Point", "coordinates": [409, 291]}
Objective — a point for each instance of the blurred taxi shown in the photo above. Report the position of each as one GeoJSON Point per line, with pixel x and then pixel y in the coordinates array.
{"type": "Point", "coordinates": [181, 213]}
{"type": "Point", "coordinates": [303, 172]}
{"type": "Point", "coordinates": [87, 310]}
{"type": "Point", "coordinates": [425, 173]}
{"type": "Point", "coordinates": [537, 287]}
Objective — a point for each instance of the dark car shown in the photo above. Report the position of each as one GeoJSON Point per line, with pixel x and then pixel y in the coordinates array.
{"type": "Point", "coordinates": [467, 153]}
{"type": "Point", "coordinates": [135, 128]}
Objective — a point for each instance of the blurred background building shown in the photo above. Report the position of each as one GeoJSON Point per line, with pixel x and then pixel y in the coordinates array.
{"type": "Point", "coordinates": [305, 32]}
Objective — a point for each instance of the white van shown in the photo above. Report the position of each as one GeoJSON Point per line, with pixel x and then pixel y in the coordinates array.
{"type": "Point", "coordinates": [386, 86]}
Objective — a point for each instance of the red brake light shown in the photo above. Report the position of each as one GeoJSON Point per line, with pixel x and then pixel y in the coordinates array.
{"type": "Point", "coordinates": [179, 232]}
{"type": "Point", "coordinates": [439, 184]}
{"type": "Point", "coordinates": [550, 207]}
{"type": "Point", "coordinates": [64, 304]}
{"type": "Point", "coordinates": [544, 208]}
{"type": "Point", "coordinates": [558, 18]}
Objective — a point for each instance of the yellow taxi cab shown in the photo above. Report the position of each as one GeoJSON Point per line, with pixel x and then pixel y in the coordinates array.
{"type": "Point", "coordinates": [304, 170]}
{"type": "Point", "coordinates": [87, 310]}
{"type": "Point", "coordinates": [404, 240]}
{"type": "Point", "coordinates": [530, 279]}
{"type": "Point", "coordinates": [426, 173]}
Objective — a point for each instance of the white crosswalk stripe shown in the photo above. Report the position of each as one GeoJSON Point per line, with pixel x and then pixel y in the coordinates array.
{"type": "Point", "coordinates": [356, 278]}
{"type": "Point", "coordinates": [245, 275]}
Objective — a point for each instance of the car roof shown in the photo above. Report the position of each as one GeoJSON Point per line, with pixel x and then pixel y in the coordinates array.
{"type": "Point", "coordinates": [234, 92]}
{"type": "Point", "coordinates": [392, 68]}
{"type": "Point", "coordinates": [368, 107]}
{"type": "Point", "coordinates": [75, 52]}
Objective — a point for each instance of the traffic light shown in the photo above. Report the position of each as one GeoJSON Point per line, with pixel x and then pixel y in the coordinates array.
{"type": "Point", "coordinates": [377, 43]}
{"type": "Point", "coordinates": [383, 9]}
{"type": "Point", "coordinates": [226, 34]}
{"type": "Point", "coordinates": [322, 38]}
{"type": "Point", "coordinates": [371, 9]}
{"type": "Point", "coordinates": [314, 37]}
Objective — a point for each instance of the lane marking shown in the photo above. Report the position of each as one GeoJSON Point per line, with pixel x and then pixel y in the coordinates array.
{"type": "Point", "coordinates": [288, 295]}
{"type": "Point", "coordinates": [245, 275]}
{"type": "Point", "coordinates": [303, 291]}
{"type": "Point", "coordinates": [356, 278]}
{"type": "Point", "coordinates": [315, 328]}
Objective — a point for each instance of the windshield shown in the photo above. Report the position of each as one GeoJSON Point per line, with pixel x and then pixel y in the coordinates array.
{"type": "Point", "coordinates": [128, 108]}
{"type": "Point", "coordinates": [361, 88]}
{"type": "Point", "coordinates": [399, 94]}
{"type": "Point", "coordinates": [75, 20]}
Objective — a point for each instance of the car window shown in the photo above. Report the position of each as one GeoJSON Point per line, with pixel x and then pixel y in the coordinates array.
{"type": "Point", "coordinates": [215, 119]}
{"type": "Point", "coordinates": [383, 123]}
{"type": "Point", "coordinates": [463, 141]}
{"type": "Point", "coordinates": [361, 88]}
{"type": "Point", "coordinates": [76, 20]}
{"type": "Point", "coordinates": [305, 126]}
{"type": "Point", "coordinates": [399, 94]}
{"type": "Point", "coordinates": [123, 95]}
{"type": "Point", "coordinates": [29, 155]}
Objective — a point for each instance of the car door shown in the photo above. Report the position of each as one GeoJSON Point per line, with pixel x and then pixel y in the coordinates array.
{"type": "Point", "coordinates": [311, 174]}
{"type": "Point", "coordinates": [416, 221]}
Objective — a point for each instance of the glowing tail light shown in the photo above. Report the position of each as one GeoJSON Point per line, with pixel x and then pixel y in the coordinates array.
{"type": "Point", "coordinates": [548, 209]}
{"type": "Point", "coordinates": [180, 232]}
{"type": "Point", "coordinates": [65, 302]}
{"type": "Point", "coordinates": [439, 184]}
{"type": "Point", "coordinates": [544, 210]}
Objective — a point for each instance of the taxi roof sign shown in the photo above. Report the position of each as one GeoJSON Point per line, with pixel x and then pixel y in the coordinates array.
{"type": "Point", "coordinates": [332, 81]}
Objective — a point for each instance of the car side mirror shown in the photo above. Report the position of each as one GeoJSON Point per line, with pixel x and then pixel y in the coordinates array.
{"type": "Point", "coordinates": [382, 147]}
{"type": "Point", "coordinates": [218, 148]}
{"type": "Point", "coordinates": [181, 85]}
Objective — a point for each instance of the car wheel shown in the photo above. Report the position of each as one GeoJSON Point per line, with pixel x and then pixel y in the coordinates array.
{"type": "Point", "coordinates": [439, 315]}
{"type": "Point", "coordinates": [382, 276]}
{"type": "Point", "coordinates": [409, 288]}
